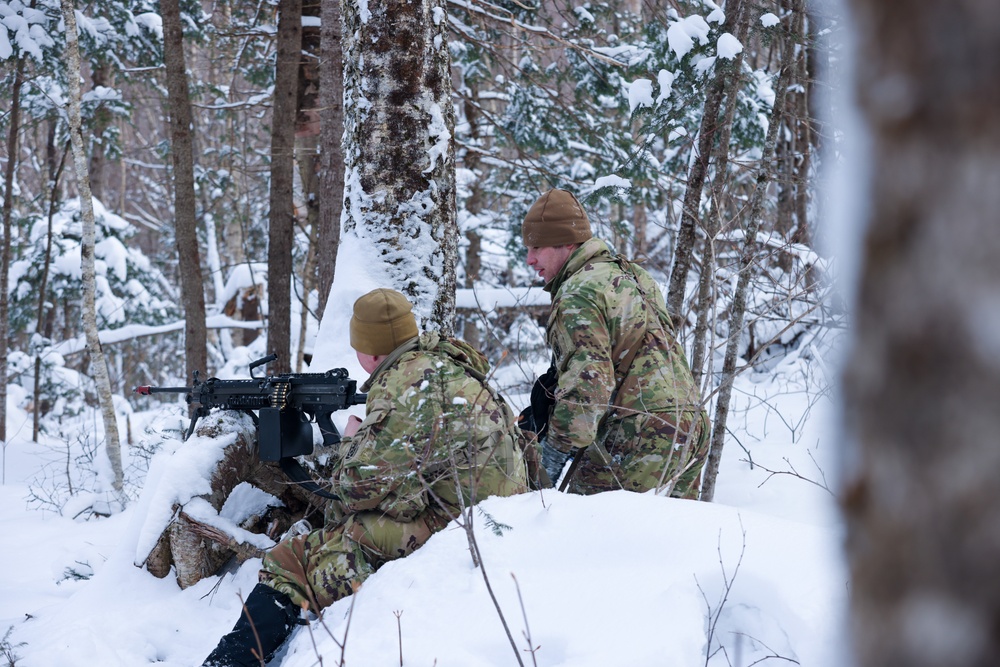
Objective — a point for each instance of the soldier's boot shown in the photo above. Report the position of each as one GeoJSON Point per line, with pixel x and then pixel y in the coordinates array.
{"type": "Point", "coordinates": [268, 617]}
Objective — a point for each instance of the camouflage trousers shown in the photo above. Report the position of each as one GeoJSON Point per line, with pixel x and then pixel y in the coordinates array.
{"type": "Point", "coordinates": [646, 451]}
{"type": "Point", "coordinates": [323, 566]}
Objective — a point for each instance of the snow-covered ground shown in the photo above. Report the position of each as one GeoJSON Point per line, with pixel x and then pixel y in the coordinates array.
{"type": "Point", "coordinates": [756, 577]}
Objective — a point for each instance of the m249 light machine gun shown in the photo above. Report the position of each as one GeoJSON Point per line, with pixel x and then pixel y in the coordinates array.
{"type": "Point", "coordinates": [286, 405]}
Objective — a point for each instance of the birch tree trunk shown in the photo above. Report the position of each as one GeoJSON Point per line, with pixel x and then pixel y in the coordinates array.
{"type": "Point", "coordinates": [185, 215]}
{"type": "Point", "coordinates": [748, 258]}
{"type": "Point", "coordinates": [80, 161]}
{"type": "Point", "coordinates": [331, 156]}
{"type": "Point", "coordinates": [399, 148]}
{"type": "Point", "coordinates": [282, 221]}
{"type": "Point", "coordinates": [922, 382]}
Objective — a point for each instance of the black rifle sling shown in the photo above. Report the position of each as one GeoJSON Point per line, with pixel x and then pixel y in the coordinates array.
{"type": "Point", "coordinates": [297, 474]}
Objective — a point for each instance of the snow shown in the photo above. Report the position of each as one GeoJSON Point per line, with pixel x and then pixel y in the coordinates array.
{"type": "Point", "coordinates": [728, 46]}
{"type": "Point", "coordinates": [489, 299]}
{"type": "Point", "coordinates": [769, 20]}
{"type": "Point", "coordinates": [681, 34]}
{"type": "Point", "coordinates": [612, 579]}
{"type": "Point", "coordinates": [25, 27]}
{"type": "Point", "coordinates": [640, 94]}
{"type": "Point", "coordinates": [614, 181]}
{"type": "Point", "coordinates": [440, 135]}
{"type": "Point", "coordinates": [666, 80]}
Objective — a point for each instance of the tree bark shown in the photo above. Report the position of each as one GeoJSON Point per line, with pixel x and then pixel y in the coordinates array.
{"type": "Point", "coordinates": [399, 152]}
{"type": "Point", "coordinates": [922, 382]}
{"type": "Point", "coordinates": [307, 134]}
{"type": "Point", "coordinates": [185, 217]}
{"type": "Point", "coordinates": [331, 156]}
{"type": "Point", "coordinates": [705, 311]}
{"type": "Point", "coordinates": [474, 204]}
{"type": "Point", "coordinates": [98, 161]}
{"type": "Point", "coordinates": [8, 204]}
{"type": "Point", "coordinates": [684, 249]}
{"type": "Point", "coordinates": [282, 216]}
{"type": "Point", "coordinates": [747, 260]}
{"type": "Point", "coordinates": [97, 360]}
{"type": "Point", "coordinates": [55, 172]}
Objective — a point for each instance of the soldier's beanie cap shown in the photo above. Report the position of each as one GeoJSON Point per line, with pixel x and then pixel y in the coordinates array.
{"type": "Point", "coordinates": [382, 321]}
{"type": "Point", "coordinates": [555, 219]}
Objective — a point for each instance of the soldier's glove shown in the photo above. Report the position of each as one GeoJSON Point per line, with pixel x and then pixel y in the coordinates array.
{"type": "Point", "coordinates": [553, 461]}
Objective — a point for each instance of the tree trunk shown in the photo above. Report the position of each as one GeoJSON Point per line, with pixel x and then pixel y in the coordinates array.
{"type": "Point", "coordinates": [282, 216]}
{"type": "Point", "coordinates": [98, 161]}
{"type": "Point", "coordinates": [97, 361]}
{"type": "Point", "coordinates": [806, 141]}
{"type": "Point", "coordinates": [307, 132]}
{"type": "Point", "coordinates": [748, 258]}
{"type": "Point", "coordinates": [705, 311]}
{"type": "Point", "coordinates": [474, 204]}
{"type": "Point", "coordinates": [684, 249]}
{"type": "Point", "coordinates": [55, 172]}
{"type": "Point", "coordinates": [331, 166]}
{"type": "Point", "coordinates": [185, 218]}
{"type": "Point", "coordinates": [401, 161]}
{"type": "Point", "coordinates": [922, 382]}
{"type": "Point", "coordinates": [8, 204]}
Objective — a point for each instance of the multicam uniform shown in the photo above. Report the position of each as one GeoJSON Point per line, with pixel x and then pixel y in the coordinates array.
{"type": "Point", "coordinates": [432, 426]}
{"type": "Point", "coordinates": [612, 346]}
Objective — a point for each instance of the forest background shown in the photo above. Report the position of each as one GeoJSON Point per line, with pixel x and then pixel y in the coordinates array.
{"type": "Point", "coordinates": [219, 149]}
{"type": "Point", "coordinates": [230, 168]}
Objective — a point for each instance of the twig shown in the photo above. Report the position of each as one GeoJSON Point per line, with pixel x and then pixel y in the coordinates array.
{"type": "Point", "coordinates": [774, 654]}
{"type": "Point", "coordinates": [527, 631]}
{"type": "Point", "coordinates": [794, 473]}
{"type": "Point", "coordinates": [728, 582]}
{"type": "Point", "coordinates": [399, 632]}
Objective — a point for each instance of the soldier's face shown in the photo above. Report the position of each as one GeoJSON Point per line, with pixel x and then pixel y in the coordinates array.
{"type": "Point", "coordinates": [369, 362]}
{"type": "Point", "coordinates": [549, 260]}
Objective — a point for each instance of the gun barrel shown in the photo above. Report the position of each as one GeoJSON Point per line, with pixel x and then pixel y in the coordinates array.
{"type": "Point", "coordinates": [146, 390]}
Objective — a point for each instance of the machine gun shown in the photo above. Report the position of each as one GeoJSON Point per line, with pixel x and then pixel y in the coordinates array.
{"type": "Point", "coordinates": [286, 406]}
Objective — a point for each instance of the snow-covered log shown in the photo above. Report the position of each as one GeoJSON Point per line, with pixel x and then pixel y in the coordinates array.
{"type": "Point", "coordinates": [214, 501]}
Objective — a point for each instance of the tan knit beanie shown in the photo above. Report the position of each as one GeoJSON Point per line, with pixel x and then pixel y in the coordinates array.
{"type": "Point", "coordinates": [382, 321]}
{"type": "Point", "coordinates": [555, 219]}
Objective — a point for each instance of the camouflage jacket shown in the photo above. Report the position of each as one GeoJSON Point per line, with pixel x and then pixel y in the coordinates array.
{"type": "Point", "coordinates": [605, 310]}
{"type": "Point", "coordinates": [433, 426]}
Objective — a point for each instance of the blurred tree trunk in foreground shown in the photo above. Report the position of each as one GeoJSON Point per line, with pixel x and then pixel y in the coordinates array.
{"type": "Point", "coordinates": [922, 383]}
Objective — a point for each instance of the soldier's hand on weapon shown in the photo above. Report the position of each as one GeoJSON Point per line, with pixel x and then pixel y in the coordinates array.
{"type": "Point", "coordinates": [353, 423]}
